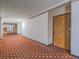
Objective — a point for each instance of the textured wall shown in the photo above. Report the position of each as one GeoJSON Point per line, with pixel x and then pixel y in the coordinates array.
{"type": "Point", "coordinates": [75, 29]}
{"type": "Point", "coordinates": [37, 28]}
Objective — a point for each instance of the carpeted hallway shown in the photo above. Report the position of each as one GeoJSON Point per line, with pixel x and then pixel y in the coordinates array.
{"type": "Point", "coordinates": [18, 47]}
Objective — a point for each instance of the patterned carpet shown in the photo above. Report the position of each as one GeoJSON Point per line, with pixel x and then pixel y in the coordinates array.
{"type": "Point", "coordinates": [18, 47]}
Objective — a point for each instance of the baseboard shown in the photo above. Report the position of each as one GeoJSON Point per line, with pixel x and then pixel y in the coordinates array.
{"type": "Point", "coordinates": [75, 56]}
{"type": "Point", "coordinates": [50, 44]}
{"type": "Point", "coordinates": [35, 40]}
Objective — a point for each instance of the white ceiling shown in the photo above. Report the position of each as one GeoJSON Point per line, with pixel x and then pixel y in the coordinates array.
{"type": "Point", "coordinates": [25, 8]}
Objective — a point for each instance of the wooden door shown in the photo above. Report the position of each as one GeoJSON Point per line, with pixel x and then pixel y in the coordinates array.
{"type": "Point", "coordinates": [61, 31]}
{"type": "Point", "coordinates": [15, 28]}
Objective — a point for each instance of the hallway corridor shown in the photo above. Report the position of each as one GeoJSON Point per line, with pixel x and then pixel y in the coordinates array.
{"type": "Point", "coordinates": [19, 47]}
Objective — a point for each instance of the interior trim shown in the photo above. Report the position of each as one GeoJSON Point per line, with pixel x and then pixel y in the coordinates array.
{"type": "Point", "coordinates": [52, 7]}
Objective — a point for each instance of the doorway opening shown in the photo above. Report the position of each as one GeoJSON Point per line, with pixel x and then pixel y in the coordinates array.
{"type": "Point", "coordinates": [9, 28]}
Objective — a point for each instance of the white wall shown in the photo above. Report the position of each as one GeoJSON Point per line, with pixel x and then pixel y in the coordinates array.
{"type": "Point", "coordinates": [1, 32]}
{"type": "Point", "coordinates": [19, 28]}
{"type": "Point", "coordinates": [0, 28]}
{"type": "Point", "coordinates": [75, 29]}
{"type": "Point", "coordinates": [37, 28]}
{"type": "Point", "coordinates": [25, 27]}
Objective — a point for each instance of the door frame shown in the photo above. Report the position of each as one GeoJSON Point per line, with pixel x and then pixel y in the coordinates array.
{"type": "Point", "coordinates": [70, 31]}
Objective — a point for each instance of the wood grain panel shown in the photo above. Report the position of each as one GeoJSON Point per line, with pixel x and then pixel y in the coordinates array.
{"type": "Point", "coordinates": [61, 31]}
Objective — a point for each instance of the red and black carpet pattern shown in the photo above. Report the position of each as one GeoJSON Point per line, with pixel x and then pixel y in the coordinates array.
{"type": "Point", "coordinates": [18, 47]}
